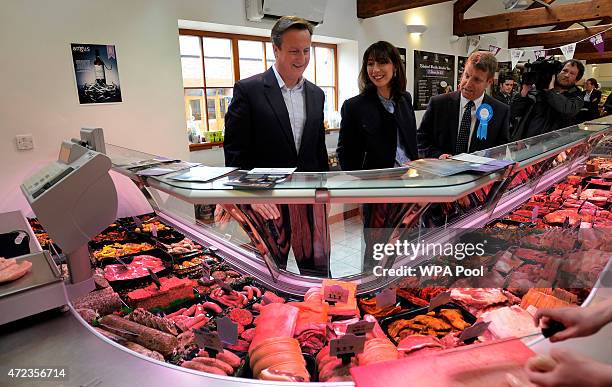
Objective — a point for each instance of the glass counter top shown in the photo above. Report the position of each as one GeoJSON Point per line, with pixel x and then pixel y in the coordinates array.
{"type": "Point", "coordinates": [411, 177]}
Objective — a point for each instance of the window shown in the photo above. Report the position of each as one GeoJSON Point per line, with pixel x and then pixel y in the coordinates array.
{"type": "Point", "coordinates": [211, 62]}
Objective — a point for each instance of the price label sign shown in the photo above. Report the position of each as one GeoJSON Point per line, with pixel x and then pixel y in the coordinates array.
{"type": "Point", "coordinates": [474, 331]}
{"type": "Point", "coordinates": [137, 221]}
{"type": "Point", "coordinates": [205, 272]}
{"type": "Point", "coordinates": [348, 344]}
{"type": "Point", "coordinates": [122, 263]}
{"type": "Point", "coordinates": [266, 299]}
{"type": "Point", "coordinates": [227, 330]}
{"type": "Point", "coordinates": [154, 230]}
{"type": "Point", "coordinates": [208, 340]}
{"type": "Point", "coordinates": [386, 298]}
{"type": "Point", "coordinates": [329, 331]}
{"type": "Point", "coordinates": [335, 293]}
{"type": "Point", "coordinates": [226, 288]}
{"type": "Point", "coordinates": [360, 328]}
{"type": "Point", "coordinates": [155, 278]}
{"type": "Point", "coordinates": [534, 213]}
{"type": "Point", "coordinates": [439, 300]}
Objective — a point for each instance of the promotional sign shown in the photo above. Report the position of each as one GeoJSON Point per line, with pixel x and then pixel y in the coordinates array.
{"type": "Point", "coordinates": [433, 74]}
{"type": "Point", "coordinates": [96, 73]}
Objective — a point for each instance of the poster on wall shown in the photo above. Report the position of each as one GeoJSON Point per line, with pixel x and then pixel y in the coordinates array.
{"type": "Point", "coordinates": [402, 52]}
{"type": "Point", "coordinates": [460, 66]}
{"type": "Point", "coordinates": [96, 73]}
{"type": "Point", "coordinates": [433, 74]}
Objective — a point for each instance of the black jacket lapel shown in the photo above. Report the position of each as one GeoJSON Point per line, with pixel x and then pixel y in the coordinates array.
{"type": "Point", "coordinates": [277, 103]}
{"type": "Point", "coordinates": [454, 118]}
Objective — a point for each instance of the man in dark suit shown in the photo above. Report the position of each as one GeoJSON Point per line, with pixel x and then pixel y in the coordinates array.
{"type": "Point", "coordinates": [275, 120]}
{"type": "Point", "coordinates": [450, 125]}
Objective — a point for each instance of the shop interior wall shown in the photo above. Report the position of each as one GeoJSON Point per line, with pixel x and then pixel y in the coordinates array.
{"type": "Point", "coordinates": [39, 89]}
{"type": "Point", "coordinates": [39, 94]}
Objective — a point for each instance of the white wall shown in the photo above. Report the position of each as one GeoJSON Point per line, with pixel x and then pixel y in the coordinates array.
{"type": "Point", "coordinates": [39, 94]}
{"type": "Point", "coordinates": [38, 88]}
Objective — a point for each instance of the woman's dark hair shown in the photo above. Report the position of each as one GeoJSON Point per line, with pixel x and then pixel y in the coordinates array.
{"type": "Point", "coordinates": [383, 52]}
{"type": "Point", "coordinates": [593, 82]}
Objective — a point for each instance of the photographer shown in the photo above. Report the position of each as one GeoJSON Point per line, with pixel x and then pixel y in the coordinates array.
{"type": "Point", "coordinates": [547, 107]}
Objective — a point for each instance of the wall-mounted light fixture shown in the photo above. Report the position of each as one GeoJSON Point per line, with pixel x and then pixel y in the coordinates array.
{"type": "Point", "coordinates": [416, 29]}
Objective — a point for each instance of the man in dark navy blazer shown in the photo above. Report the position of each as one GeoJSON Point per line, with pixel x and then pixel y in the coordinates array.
{"type": "Point", "coordinates": [450, 124]}
{"type": "Point", "coordinates": [275, 118]}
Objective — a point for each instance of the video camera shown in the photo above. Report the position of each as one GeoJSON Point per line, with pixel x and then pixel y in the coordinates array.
{"type": "Point", "coordinates": [540, 72]}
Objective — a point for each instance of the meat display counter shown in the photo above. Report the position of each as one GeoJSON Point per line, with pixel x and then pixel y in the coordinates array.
{"type": "Point", "coordinates": [303, 257]}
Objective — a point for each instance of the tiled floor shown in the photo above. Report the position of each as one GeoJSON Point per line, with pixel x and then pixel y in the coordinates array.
{"type": "Point", "coordinates": [346, 248]}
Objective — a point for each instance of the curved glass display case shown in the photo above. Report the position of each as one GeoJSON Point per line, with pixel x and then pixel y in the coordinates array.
{"type": "Point", "coordinates": [331, 219]}
{"type": "Point", "coordinates": [317, 228]}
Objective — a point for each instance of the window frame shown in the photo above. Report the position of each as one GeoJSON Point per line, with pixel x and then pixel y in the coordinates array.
{"type": "Point", "coordinates": [234, 38]}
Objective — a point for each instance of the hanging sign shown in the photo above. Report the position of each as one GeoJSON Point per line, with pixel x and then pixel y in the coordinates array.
{"type": "Point", "coordinates": [515, 56]}
{"type": "Point", "coordinates": [598, 42]}
{"type": "Point", "coordinates": [568, 50]}
{"type": "Point", "coordinates": [494, 49]}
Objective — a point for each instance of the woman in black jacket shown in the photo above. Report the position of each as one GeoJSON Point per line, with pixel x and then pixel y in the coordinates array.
{"type": "Point", "coordinates": [378, 128]}
{"type": "Point", "coordinates": [592, 97]}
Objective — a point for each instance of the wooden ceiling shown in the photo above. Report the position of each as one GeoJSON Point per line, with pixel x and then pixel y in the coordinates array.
{"type": "Point", "coordinates": [371, 8]}
{"type": "Point", "coordinates": [561, 17]}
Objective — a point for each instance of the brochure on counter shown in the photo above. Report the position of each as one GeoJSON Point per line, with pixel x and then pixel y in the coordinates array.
{"type": "Point", "coordinates": [203, 174]}
{"type": "Point", "coordinates": [261, 178]}
{"type": "Point", "coordinates": [166, 168]}
{"type": "Point", "coordinates": [459, 164]}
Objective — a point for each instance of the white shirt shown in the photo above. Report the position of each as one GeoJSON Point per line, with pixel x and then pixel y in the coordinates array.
{"type": "Point", "coordinates": [295, 101]}
{"type": "Point", "coordinates": [587, 96]}
{"type": "Point", "coordinates": [477, 103]}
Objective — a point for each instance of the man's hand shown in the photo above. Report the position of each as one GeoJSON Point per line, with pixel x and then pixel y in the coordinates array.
{"type": "Point", "coordinates": [445, 156]}
{"type": "Point", "coordinates": [579, 322]}
{"type": "Point", "coordinates": [525, 90]}
{"type": "Point", "coordinates": [267, 211]}
{"type": "Point", "coordinates": [564, 368]}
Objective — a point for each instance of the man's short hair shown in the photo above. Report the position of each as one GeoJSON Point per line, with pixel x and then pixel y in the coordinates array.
{"type": "Point", "coordinates": [288, 23]}
{"type": "Point", "coordinates": [576, 63]}
{"type": "Point", "coordinates": [484, 61]}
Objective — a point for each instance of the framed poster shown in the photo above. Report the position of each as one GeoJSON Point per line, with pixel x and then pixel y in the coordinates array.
{"type": "Point", "coordinates": [433, 74]}
{"type": "Point", "coordinates": [96, 73]}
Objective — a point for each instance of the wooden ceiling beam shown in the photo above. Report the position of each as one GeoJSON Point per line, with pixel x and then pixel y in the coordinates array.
{"type": "Point", "coordinates": [566, 25]}
{"type": "Point", "coordinates": [535, 4]}
{"type": "Point", "coordinates": [371, 8]}
{"type": "Point", "coordinates": [461, 6]}
{"type": "Point", "coordinates": [459, 9]}
{"type": "Point", "coordinates": [562, 26]}
{"type": "Point", "coordinates": [556, 38]}
{"type": "Point", "coordinates": [592, 58]}
{"type": "Point", "coordinates": [537, 17]}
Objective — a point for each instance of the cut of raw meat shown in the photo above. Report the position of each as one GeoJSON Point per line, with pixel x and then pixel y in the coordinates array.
{"type": "Point", "coordinates": [275, 320]}
{"type": "Point", "coordinates": [14, 271]}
